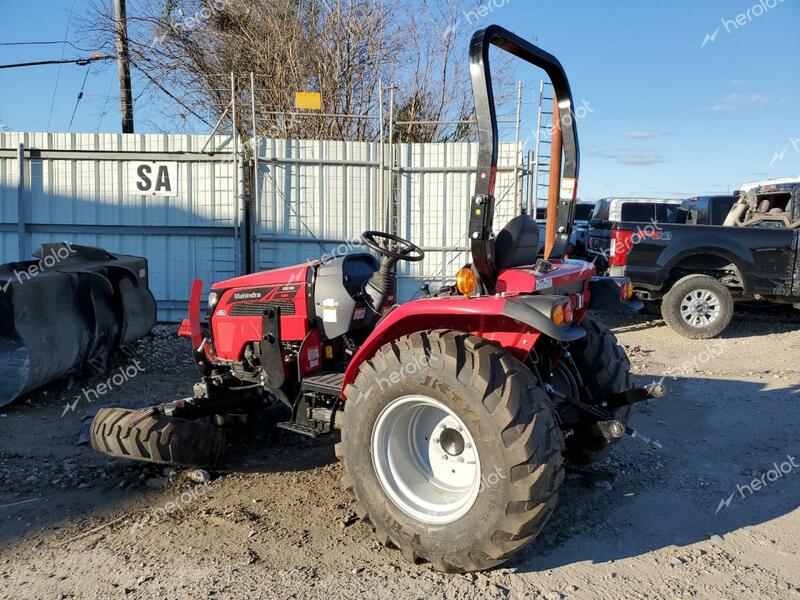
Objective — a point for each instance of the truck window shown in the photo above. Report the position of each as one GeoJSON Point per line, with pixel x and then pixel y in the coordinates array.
{"type": "Point", "coordinates": [684, 216]}
{"type": "Point", "coordinates": [638, 212]}
{"type": "Point", "coordinates": [667, 213]}
{"type": "Point", "coordinates": [720, 207]}
{"type": "Point", "coordinates": [600, 213]}
{"type": "Point", "coordinates": [583, 212]}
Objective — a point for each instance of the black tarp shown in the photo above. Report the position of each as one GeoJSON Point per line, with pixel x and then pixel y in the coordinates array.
{"type": "Point", "coordinates": [72, 305]}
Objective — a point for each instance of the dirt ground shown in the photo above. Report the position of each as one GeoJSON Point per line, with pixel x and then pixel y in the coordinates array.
{"type": "Point", "coordinates": [274, 523]}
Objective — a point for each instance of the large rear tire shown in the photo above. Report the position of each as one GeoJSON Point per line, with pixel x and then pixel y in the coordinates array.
{"type": "Point", "coordinates": [605, 369]}
{"type": "Point", "coordinates": [452, 450]}
{"type": "Point", "coordinates": [156, 439]}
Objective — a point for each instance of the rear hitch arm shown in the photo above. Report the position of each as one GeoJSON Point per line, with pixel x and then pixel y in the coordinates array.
{"type": "Point", "coordinates": [634, 396]}
{"type": "Point", "coordinates": [607, 422]}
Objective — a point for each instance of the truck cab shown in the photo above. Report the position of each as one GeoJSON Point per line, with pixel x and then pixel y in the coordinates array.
{"type": "Point", "coordinates": [705, 210]}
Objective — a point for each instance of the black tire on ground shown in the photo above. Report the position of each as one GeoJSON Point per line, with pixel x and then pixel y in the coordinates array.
{"type": "Point", "coordinates": [697, 284]}
{"type": "Point", "coordinates": [605, 369]}
{"type": "Point", "coordinates": [158, 439]}
{"type": "Point", "coordinates": [512, 422]}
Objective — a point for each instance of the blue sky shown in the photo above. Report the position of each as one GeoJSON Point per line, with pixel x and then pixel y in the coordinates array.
{"type": "Point", "coordinates": [668, 117]}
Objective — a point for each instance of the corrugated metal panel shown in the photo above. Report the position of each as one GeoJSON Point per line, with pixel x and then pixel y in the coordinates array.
{"type": "Point", "coordinates": [318, 194]}
{"type": "Point", "coordinates": [90, 199]}
{"type": "Point", "coordinates": [306, 209]}
{"type": "Point", "coordinates": [436, 186]}
{"type": "Point", "coordinates": [314, 197]}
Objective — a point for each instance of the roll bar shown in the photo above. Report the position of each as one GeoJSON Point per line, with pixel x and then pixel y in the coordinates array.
{"type": "Point", "coordinates": [482, 209]}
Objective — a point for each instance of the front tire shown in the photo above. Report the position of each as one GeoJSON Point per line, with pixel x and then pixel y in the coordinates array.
{"type": "Point", "coordinates": [156, 439]}
{"type": "Point", "coordinates": [418, 407]}
{"type": "Point", "coordinates": [698, 307]}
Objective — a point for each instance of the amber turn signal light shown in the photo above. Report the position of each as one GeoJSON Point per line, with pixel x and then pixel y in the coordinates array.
{"type": "Point", "coordinates": [558, 315]}
{"type": "Point", "coordinates": [627, 291]}
{"type": "Point", "coordinates": [465, 282]}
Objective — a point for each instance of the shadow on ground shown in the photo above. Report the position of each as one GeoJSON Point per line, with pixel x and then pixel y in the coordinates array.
{"type": "Point", "coordinates": [674, 497]}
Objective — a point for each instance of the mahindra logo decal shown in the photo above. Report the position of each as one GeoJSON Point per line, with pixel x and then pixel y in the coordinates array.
{"type": "Point", "coordinates": [249, 295]}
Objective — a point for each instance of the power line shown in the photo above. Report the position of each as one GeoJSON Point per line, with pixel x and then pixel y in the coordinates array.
{"type": "Point", "coordinates": [80, 96]}
{"type": "Point", "coordinates": [78, 61]}
{"type": "Point", "coordinates": [105, 105]}
{"type": "Point", "coordinates": [47, 43]}
{"type": "Point", "coordinates": [58, 74]}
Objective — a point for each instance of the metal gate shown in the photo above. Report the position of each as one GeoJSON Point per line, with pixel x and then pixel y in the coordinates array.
{"type": "Point", "coordinates": [178, 200]}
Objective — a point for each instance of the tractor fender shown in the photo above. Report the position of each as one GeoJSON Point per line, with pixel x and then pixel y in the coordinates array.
{"type": "Point", "coordinates": [513, 322]}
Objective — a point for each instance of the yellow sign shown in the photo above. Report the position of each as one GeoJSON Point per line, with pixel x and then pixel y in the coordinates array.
{"type": "Point", "coordinates": [308, 100]}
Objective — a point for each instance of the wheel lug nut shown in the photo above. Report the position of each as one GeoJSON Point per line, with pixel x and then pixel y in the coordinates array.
{"type": "Point", "coordinates": [445, 457]}
{"type": "Point", "coordinates": [435, 440]}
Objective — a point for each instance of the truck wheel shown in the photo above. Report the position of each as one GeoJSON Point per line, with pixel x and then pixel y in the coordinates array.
{"type": "Point", "coordinates": [157, 439]}
{"type": "Point", "coordinates": [605, 369]}
{"type": "Point", "coordinates": [698, 307]}
{"type": "Point", "coordinates": [452, 450]}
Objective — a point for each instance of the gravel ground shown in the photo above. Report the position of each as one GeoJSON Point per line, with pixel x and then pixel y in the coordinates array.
{"type": "Point", "coordinates": [274, 523]}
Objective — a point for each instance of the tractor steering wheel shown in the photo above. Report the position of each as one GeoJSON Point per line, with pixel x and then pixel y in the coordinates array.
{"type": "Point", "coordinates": [392, 246]}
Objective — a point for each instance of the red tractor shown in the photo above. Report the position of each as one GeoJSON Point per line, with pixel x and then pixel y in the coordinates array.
{"type": "Point", "coordinates": [457, 412]}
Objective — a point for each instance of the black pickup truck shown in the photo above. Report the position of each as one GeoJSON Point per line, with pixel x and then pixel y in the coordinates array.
{"type": "Point", "coordinates": [697, 272]}
{"type": "Point", "coordinates": [705, 210]}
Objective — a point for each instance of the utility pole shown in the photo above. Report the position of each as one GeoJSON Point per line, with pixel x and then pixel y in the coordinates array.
{"type": "Point", "coordinates": [123, 67]}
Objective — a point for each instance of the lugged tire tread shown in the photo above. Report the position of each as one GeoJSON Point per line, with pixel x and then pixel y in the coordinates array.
{"type": "Point", "coordinates": [509, 389]}
{"type": "Point", "coordinates": [159, 439]}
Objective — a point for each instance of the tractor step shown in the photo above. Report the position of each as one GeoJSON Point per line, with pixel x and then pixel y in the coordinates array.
{"type": "Point", "coordinates": [324, 382]}
{"type": "Point", "coordinates": [301, 429]}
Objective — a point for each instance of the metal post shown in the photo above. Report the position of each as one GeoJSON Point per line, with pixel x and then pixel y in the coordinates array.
{"type": "Point", "coordinates": [517, 150]}
{"type": "Point", "coordinates": [537, 151]}
{"type": "Point", "coordinates": [254, 204]}
{"type": "Point", "coordinates": [21, 208]}
{"type": "Point", "coordinates": [382, 150]}
{"type": "Point", "coordinates": [390, 202]}
{"type": "Point", "coordinates": [530, 175]}
{"type": "Point", "coordinates": [237, 239]}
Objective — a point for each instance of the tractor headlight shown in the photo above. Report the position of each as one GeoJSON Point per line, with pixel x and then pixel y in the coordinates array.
{"type": "Point", "coordinates": [213, 298]}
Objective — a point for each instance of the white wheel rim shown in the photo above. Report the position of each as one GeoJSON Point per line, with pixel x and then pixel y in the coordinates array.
{"type": "Point", "coordinates": [700, 308]}
{"type": "Point", "coordinates": [426, 459]}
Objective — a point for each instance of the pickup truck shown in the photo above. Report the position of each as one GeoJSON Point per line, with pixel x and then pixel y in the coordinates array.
{"type": "Point", "coordinates": [697, 272]}
{"type": "Point", "coordinates": [580, 224]}
{"type": "Point", "coordinates": [610, 213]}
{"type": "Point", "coordinates": [705, 210]}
